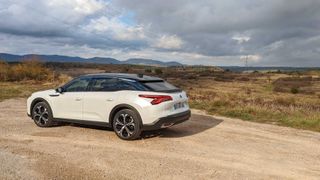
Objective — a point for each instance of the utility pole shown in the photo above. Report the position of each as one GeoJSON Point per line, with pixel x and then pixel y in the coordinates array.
{"type": "Point", "coordinates": [246, 62]}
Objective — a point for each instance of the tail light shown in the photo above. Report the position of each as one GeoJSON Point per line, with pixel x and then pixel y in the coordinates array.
{"type": "Point", "coordinates": [157, 99]}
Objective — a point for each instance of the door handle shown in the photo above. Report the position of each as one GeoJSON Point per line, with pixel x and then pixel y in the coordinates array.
{"type": "Point", "coordinates": [78, 99]}
{"type": "Point", "coordinates": [110, 99]}
{"type": "Point", "coordinates": [54, 95]}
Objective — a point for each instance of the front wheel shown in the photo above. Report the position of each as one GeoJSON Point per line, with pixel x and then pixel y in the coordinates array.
{"type": "Point", "coordinates": [42, 115]}
{"type": "Point", "coordinates": [127, 124]}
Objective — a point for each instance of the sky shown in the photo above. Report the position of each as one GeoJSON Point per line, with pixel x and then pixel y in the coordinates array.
{"type": "Point", "coordinates": [204, 32]}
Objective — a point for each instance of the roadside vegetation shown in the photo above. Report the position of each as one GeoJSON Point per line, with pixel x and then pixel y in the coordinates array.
{"type": "Point", "coordinates": [275, 98]}
{"type": "Point", "coordinates": [21, 79]}
{"type": "Point", "coordinates": [283, 98]}
{"type": "Point", "coordinates": [27, 70]}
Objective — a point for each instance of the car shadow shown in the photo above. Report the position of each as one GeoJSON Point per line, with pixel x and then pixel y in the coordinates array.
{"type": "Point", "coordinates": [102, 128]}
{"type": "Point", "coordinates": [196, 124]}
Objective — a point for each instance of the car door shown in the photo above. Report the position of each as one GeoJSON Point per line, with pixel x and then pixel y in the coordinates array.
{"type": "Point", "coordinates": [69, 103]}
{"type": "Point", "coordinates": [100, 99]}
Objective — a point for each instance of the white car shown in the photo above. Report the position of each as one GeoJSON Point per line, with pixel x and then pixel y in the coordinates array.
{"type": "Point", "coordinates": [129, 103]}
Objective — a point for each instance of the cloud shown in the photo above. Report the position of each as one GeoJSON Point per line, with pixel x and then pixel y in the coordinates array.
{"type": "Point", "coordinates": [275, 32]}
{"type": "Point", "coordinates": [50, 18]}
{"type": "Point", "coordinates": [168, 42]}
{"type": "Point", "coordinates": [237, 28]}
{"type": "Point", "coordinates": [241, 39]}
{"type": "Point", "coordinates": [76, 7]}
{"type": "Point", "coordinates": [251, 57]}
{"type": "Point", "coordinates": [115, 28]}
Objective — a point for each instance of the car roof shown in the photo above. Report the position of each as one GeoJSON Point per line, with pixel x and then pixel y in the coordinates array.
{"type": "Point", "coordinates": [138, 77]}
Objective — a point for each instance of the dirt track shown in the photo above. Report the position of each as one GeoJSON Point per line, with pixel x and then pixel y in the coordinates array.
{"type": "Point", "coordinates": [202, 148]}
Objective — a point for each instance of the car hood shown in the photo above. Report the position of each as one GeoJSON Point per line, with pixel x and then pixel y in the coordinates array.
{"type": "Point", "coordinates": [44, 93]}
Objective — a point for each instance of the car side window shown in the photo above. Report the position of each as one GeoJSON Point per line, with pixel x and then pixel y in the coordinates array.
{"type": "Point", "coordinates": [77, 85]}
{"type": "Point", "coordinates": [109, 84]}
{"type": "Point", "coordinates": [102, 84]}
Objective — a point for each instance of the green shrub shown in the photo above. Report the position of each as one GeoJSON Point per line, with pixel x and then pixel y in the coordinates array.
{"type": "Point", "coordinates": [3, 71]}
{"type": "Point", "coordinates": [294, 90]}
{"type": "Point", "coordinates": [294, 85]}
{"type": "Point", "coordinates": [148, 71]}
{"type": "Point", "coordinates": [158, 71]}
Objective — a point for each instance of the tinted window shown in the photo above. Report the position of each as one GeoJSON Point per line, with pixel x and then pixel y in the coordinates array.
{"type": "Point", "coordinates": [112, 84]}
{"type": "Point", "coordinates": [77, 85]}
{"type": "Point", "coordinates": [137, 85]}
{"type": "Point", "coordinates": [103, 84]}
{"type": "Point", "coordinates": [161, 86]}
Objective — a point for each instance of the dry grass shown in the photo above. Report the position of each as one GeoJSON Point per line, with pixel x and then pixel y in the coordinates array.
{"type": "Point", "coordinates": [254, 99]}
{"type": "Point", "coordinates": [295, 85]}
{"type": "Point", "coordinates": [22, 79]}
{"type": "Point", "coordinates": [26, 88]}
{"type": "Point", "coordinates": [28, 70]}
{"type": "Point", "coordinates": [22, 89]}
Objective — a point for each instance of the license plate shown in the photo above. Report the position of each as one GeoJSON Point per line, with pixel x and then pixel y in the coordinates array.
{"type": "Point", "coordinates": [179, 105]}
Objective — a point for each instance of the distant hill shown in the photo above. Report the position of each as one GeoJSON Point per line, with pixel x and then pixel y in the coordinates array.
{"type": "Point", "coordinates": [99, 60]}
{"type": "Point", "coordinates": [150, 62]}
{"type": "Point", "coordinates": [266, 68]}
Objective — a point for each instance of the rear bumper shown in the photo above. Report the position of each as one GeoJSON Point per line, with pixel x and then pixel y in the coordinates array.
{"type": "Point", "coordinates": [168, 121]}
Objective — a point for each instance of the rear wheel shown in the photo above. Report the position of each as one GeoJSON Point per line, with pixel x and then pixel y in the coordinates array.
{"type": "Point", "coordinates": [42, 115]}
{"type": "Point", "coordinates": [127, 124]}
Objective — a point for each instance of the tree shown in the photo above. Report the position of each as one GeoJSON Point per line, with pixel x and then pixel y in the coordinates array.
{"type": "Point", "coordinates": [158, 71]}
{"type": "Point", "coordinates": [3, 71]}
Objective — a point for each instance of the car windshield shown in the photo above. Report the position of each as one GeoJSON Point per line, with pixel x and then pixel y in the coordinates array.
{"type": "Point", "coordinates": [161, 86]}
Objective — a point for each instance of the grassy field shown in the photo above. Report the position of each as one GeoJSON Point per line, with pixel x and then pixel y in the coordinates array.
{"type": "Point", "coordinates": [259, 98]}
{"type": "Point", "coordinates": [286, 99]}
{"type": "Point", "coordinates": [22, 89]}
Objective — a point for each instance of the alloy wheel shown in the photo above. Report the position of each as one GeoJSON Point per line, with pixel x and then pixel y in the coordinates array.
{"type": "Point", "coordinates": [41, 115]}
{"type": "Point", "coordinates": [124, 125]}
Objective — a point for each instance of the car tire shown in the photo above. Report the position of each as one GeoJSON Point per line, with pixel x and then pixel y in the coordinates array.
{"type": "Point", "coordinates": [42, 115]}
{"type": "Point", "coordinates": [127, 124]}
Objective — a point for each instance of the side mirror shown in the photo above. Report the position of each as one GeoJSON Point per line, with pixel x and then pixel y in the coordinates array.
{"type": "Point", "coordinates": [59, 90]}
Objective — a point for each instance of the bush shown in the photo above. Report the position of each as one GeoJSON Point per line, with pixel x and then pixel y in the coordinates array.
{"type": "Point", "coordinates": [294, 90]}
{"type": "Point", "coordinates": [293, 84]}
{"type": "Point", "coordinates": [285, 101]}
{"type": "Point", "coordinates": [224, 77]}
{"type": "Point", "coordinates": [3, 71]}
{"type": "Point", "coordinates": [148, 71]}
{"type": "Point", "coordinates": [190, 76]}
{"type": "Point", "coordinates": [27, 70]}
{"type": "Point", "coordinates": [243, 78]}
{"type": "Point", "coordinates": [126, 69]}
{"type": "Point", "coordinates": [206, 73]}
{"type": "Point", "coordinates": [158, 71]}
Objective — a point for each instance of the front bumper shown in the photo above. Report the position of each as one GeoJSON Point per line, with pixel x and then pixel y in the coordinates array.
{"type": "Point", "coordinates": [168, 121]}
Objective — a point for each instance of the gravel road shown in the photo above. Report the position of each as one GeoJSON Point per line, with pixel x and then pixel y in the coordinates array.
{"type": "Point", "coordinates": [204, 147]}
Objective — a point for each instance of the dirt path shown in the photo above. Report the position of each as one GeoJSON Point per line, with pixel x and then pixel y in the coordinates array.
{"type": "Point", "coordinates": [202, 148]}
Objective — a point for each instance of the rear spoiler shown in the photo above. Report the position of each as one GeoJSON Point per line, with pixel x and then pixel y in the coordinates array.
{"type": "Point", "coordinates": [160, 80]}
{"type": "Point", "coordinates": [171, 91]}
{"type": "Point", "coordinates": [149, 81]}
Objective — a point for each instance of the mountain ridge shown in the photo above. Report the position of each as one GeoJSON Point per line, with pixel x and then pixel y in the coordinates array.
{"type": "Point", "coordinates": [100, 60]}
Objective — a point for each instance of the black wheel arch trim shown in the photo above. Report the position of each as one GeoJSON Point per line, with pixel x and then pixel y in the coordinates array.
{"type": "Point", "coordinates": [37, 100]}
{"type": "Point", "coordinates": [83, 122]}
{"type": "Point", "coordinates": [120, 107]}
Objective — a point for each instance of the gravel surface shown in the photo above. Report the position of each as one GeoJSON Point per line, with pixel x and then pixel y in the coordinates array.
{"type": "Point", "coordinates": [205, 147]}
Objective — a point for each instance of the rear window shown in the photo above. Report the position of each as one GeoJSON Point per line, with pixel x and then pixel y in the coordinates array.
{"type": "Point", "coordinates": [112, 84]}
{"type": "Point", "coordinates": [161, 86]}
